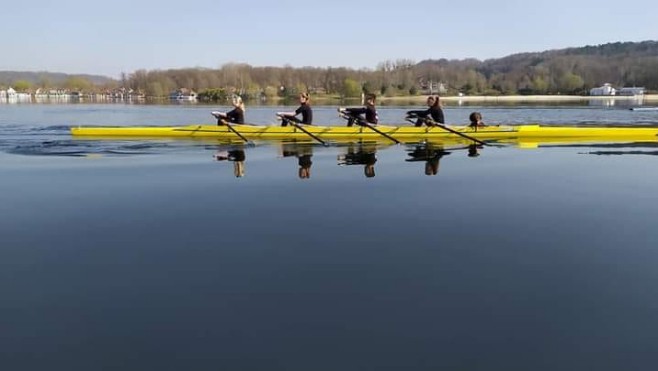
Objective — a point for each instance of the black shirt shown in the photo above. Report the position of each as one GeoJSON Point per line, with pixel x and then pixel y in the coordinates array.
{"type": "Point", "coordinates": [436, 113]}
{"type": "Point", "coordinates": [235, 116]}
{"type": "Point", "coordinates": [370, 111]}
{"type": "Point", "coordinates": [307, 113]}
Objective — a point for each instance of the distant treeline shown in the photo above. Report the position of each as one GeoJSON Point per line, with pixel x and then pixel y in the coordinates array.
{"type": "Point", "coordinates": [24, 81]}
{"type": "Point", "coordinates": [565, 71]}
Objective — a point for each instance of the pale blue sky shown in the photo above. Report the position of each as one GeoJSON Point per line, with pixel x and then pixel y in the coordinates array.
{"type": "Point", "coordinates": [108, 38]}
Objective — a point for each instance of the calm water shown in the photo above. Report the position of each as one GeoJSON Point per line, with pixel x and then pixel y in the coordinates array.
{"type": "Point", "coordinates": [153, 255]}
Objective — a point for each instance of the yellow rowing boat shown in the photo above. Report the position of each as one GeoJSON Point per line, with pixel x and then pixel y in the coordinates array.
{"type": "Point", "coordinates": [402, 133]}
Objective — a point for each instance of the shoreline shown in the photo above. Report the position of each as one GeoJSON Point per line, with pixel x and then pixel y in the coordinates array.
{"type": "Point", "coordinates": [525, 98]}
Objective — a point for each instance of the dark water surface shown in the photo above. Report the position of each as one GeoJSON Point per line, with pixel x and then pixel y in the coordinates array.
{"type": "Point", "coordinates": [137, 255]}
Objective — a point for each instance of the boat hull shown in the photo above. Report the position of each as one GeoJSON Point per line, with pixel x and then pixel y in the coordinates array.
{"type": "Point", "coordinates": [402, 133]}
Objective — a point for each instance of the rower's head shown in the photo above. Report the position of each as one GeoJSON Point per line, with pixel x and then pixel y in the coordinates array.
{"type": "Point", "coordinates": [433, 101]}
{"type": "Point", "coordinates": [304, 98]}
{"type": "Point", "coordinates": [237, 102]}
{"type": "Point", "coordinates": [476, 119]}
{"type": "Point", "coordinates": [370, 99]}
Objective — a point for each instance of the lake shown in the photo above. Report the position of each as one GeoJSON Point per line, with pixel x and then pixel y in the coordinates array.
{"type": "Point", "coordinates": [154, 255]}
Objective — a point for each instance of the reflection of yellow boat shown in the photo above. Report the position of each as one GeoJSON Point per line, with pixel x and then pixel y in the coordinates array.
{"type": "Point", "coordinates": [521, 133]}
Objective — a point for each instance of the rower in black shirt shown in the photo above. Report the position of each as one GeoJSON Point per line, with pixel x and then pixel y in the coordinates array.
{"type": "Point", "coordinates": [355, 114]}
{"type": "Point", "coordinates": [234, 116]}
{"type": "Point", "coordinates": [431, 116]}
{"type": "Point", "coordinates": [304, 109]}
{"type": "Point", "coordinates": [476, 120]}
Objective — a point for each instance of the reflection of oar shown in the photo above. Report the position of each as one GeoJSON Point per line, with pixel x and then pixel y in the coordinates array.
{"type": "Point", "coordinates": [367, 124]}
{"type": "Point", "coordinates": [453, 131]}
{"type": "Point", "coordinates": [295, 124]}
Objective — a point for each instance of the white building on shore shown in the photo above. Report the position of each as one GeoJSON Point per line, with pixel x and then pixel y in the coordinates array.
{"type": "Point", "coordinates": [606, 89]}
{"type": "Point", "coordinates": [183, 94]}
{"type": "Point", "coordinates": [631, 91]}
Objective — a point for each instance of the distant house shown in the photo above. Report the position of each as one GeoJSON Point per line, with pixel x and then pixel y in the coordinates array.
{"type": "Point", "coordinates": [3, 94]}
{"type": "Point", "coordinates": [183, 94]}
{"type": "Point", "coordinates": [631, 91]}
{"type": "Point", "coordinates": [13, 96]}
{"type": "Point", "coordinates": [606, 89]}
{"type": "Point", "coordinates": [432, 87]}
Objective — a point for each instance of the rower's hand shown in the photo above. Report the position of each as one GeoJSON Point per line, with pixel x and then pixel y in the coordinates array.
{"type": "Point", "coordinates": [218, 114]}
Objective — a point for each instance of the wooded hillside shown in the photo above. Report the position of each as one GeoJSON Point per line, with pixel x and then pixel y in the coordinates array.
{"type": "Point", "coordinates": [564, 71]}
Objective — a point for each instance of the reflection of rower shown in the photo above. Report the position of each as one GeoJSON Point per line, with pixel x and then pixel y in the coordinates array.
{"type": "Point", "coordinates": [430, 154]}
{"type": "Point", "coordinates": [235, 155]}
{"type": "Point", "coordinates": [363, 155]}
{"type": "Point", "coordinates": [303, 152]}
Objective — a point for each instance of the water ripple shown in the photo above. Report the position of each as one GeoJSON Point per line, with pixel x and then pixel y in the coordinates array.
{"type": "Point", "coordinates": [78, 148]}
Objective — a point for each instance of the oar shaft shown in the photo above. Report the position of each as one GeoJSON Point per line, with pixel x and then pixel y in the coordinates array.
{"type": "Point", "coordinates": [231, 128]}
{"type": "Point", "coordinates": [463, 135]}
{"type": "Point", "coordinates": [382, 133]}
{"type": "Point", "coordinates": [221, 120]}
{"type": "Point", "coordinates": [308, 133]}
{"type": "Point", "coordinates": [288, 120]}
{"type": "Point", "coordinates": [456, 132]}
{"type": "Point", "coordinates": [365, 123]}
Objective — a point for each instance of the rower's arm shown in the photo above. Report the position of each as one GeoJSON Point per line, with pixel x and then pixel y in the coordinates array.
{"type": "Point", "coordinates": [355, 111]}
{"type": "Point", "coordinates": [417, 113]}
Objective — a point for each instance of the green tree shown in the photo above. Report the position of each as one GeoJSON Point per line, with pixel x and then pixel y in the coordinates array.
{"type": "Point", "coordinates": [76, 83]}
{"type": "Point", "coordinates": [571, 82]}
{"type": "Point", "coordinates": [22, 85]}
{"type": "Point", "coordinates": [351, 88]}
{"type": "Point", "coordinates": [155, 89]}
{"type": "Point", "coordinates": [539, 85]}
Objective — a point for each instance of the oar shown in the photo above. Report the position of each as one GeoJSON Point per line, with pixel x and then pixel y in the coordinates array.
{"type": "Point", "coordinates": [453, 131]}
{"type": "Point", "coordinates": [232, 129]}
{"type": "Point", "coordinates": [295, 124]}
{"type": "Point", "coordinates": [367, 124]}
